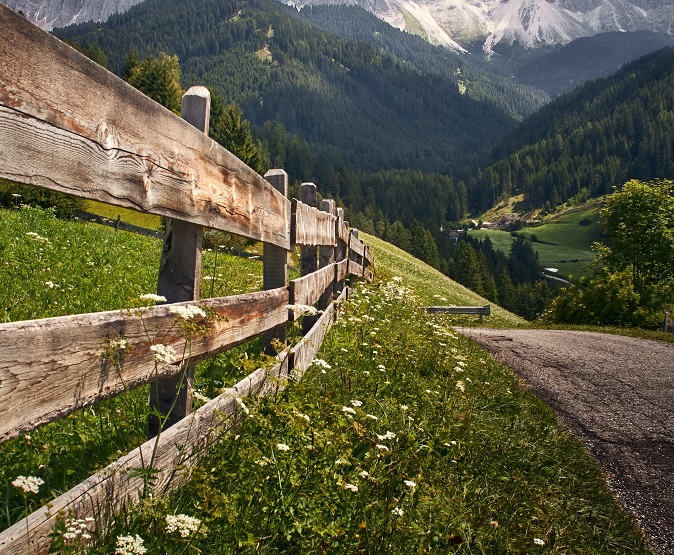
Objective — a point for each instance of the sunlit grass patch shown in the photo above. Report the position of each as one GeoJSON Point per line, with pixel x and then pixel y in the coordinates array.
{"type": "Point", "coordinates": [403, 437]}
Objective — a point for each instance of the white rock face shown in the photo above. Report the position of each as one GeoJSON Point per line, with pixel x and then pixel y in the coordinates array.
{"type": "Point", "coordinates": [531, 23]}
{"type": "Point", "coordinates": [450, 23]}
{"type": "Point", "coordinates": [59, 13]}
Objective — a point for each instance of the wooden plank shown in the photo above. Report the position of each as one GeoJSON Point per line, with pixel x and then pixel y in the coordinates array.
{"type": "Point", "coordinates": [308, 289]}
{"type": "Point", "coordinates": [355, 269]}
{"type": "Point", "coordinates": [305, 351]}
{"type": "Point", "coordinates": [176, 450]}
{"type": "Point", "coordinates": [481, 310]}
{"type": "Point", "coordinates": [356, 246]}
{"type": "Point", "coordinates": [342, 270]}
{"type": "Point", "coordinates": [51, 367]}
{"type": "Point", "coordinates": [313, 227]}
{"type": "Point", "coordinates": [179, 280]}
{"type": "Point", "coordinates": [69, 125]}
{"type": "Point", "coordinates": [342, 231]}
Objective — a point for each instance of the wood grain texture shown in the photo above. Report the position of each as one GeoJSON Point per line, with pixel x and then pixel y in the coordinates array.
{"type": "Point", "coordinates": [313, 227]}
{"type": "Point", "coordinates": [308, 289]}
{"type": "Point", "coordinates": [355, 269]}
{"type": "Point", "coordinates": [356, 246]}
{"type": "Point", "coordinates": [51, 367]}
{"type": "Point", "coordinates": [343, 232]}
{"type": "Point", "coordinates": [342, 270]}
{"type": "Point", "coordinates": [178, 449]}
{"type": "Point", "coordinates": [69, 125]}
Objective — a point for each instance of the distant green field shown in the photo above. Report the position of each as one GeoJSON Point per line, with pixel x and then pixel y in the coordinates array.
{"type": "Point", "coordinates": [563, 242]}
{"type": "Point", "coordinates": [149, 221]}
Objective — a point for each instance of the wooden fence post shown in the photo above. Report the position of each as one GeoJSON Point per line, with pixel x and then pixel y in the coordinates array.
{"type": "Point", "coordinates": [354, 257]}
{"type": "Point", "coordinates": [179, 281]}
{"type": "Point", "coordinates": [275, 273]}
{"type": "Point", "coordinates": [340, 249]}
{"type": "Point", "coordinates": [308, 253]}
{"type": "Point", "coordinates": [327, 257]}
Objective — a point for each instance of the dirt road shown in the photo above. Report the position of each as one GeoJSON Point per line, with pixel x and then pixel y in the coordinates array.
{"type": "Point", "coordinates": [616, 394]}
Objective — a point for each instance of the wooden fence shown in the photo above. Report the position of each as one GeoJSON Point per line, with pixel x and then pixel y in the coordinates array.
{"type": "Point", "coordinates": [68, 125]}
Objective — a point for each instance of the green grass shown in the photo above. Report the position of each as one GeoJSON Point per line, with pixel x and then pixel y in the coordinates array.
{"type": "Point", "coordinates": [434, 288]}
{"type": "Point", "coordinates": [407, 438]}
{"type": "Point", "coordinates": [141, 219]}
{"type": "Point", "coordinates": [563, 243]}
{"type": "Point", "coordinates": [51, 267]}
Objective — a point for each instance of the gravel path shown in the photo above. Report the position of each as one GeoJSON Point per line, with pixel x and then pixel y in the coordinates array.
{"type": "Point", "coordinates": [616, 394]}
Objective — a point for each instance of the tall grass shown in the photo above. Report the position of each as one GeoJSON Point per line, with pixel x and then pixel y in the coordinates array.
{"type": "Point", "coordinates": [51, 267]}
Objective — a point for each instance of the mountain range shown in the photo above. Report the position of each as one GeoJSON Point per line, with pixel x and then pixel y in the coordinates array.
{"type": "Point", "coordinates": [452, 23]}
{"type": "Point", "coordinates": [531, 23]}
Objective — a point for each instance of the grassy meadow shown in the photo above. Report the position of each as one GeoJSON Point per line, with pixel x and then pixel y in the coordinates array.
{"type": "Point", "coordinates": [563, 241]}
{"type": "Point", "coordinates": [403, 436]}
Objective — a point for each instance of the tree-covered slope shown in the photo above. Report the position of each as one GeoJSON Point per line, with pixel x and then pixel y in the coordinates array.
{"type": "Point", "coordinates": [348, 99]}
{"type": "Point", "coordinates": [587, 141]}
{"type": "Point", "coordinates": [356, 23]}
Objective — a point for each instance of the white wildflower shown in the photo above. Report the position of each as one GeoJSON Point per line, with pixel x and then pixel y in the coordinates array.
{"type": "Point", "coordinates": [303, 310]}
{"type": "Point", "coordinates": [348, 410]}
{"type": "Point", "coordinates": [187, 312]}
{"type": "Point", "coordinates": [185, 525]}
{"type": "Point", "coordinates": [199, 396]}
{"type": "Point", "coordinates": [37, 237]}
{"type": "Point", "coordinates": [404, 407]}
{"type": "Point", "coordinates": [397, 511]}
{"type": "Point", "coordinates": [387, 435]}
{"type": "Point", "coordinates": [130, 545]}
{"type": "Point", "coordinates": [321, 363]}
{"type": "Point", "coordinates": [364, 474]}
{"type": "Point", "coordinates": [538, 541]}
{"type": "Point", "coordinates": [356, 403]}
{"type": "Point", "coordinates": [461, 386]}
{"type": "Point", "coordinates": [163, 353]}
{"type": "Point", "coordinates": [28, 484]}
{"type": "Point", "coordinates": [372, 416]}
{"type": "Point", "coordinates": [382, 447]}
{"type": "Point", "coordinates": [50, 284]}
{"type": "Point", "coordinates": [155, 298]}
{"type": "Point", "coordinates": [282, 447]}
{"type": "Point", "coordinates": [410, 484]}
{"type": "Point", "coordinates": [120, 344]}
{"type": "Point", "coordinates": [303, 416]}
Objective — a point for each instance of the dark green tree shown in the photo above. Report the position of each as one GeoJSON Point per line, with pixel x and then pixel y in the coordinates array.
{"type": "Point", "coordinates": [231, 130]}
{"type": "Point", "coordinates": [159, 78]}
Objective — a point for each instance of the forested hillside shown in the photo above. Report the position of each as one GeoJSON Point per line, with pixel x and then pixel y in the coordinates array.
{"type": "Point", "coordinates": [356, 23]}
{"type": "Point", "coordinates": [584, 143]}
{"type": "Point", "coordinates": [348, 100]}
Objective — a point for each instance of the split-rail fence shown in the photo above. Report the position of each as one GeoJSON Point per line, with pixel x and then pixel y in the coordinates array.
{"type": "Point", "coordinates": [68, 125]}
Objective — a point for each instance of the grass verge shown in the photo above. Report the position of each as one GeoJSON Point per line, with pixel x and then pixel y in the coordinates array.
{"type": "Point", "coordinates": [402, 438]}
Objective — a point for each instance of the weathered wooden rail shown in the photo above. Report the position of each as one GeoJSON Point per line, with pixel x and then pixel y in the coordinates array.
{"type": "Point", "coordinates": [479, 310]}
{"type": "Point", "coordinates": [68, 125]}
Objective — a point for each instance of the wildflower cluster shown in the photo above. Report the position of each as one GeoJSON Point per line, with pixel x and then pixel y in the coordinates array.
{"type": "Point", "coordinates": [28, 484]}
{"type": "Point", "coordinates": [78, 530]}
{"type": "Point", "coordinates": [165, 354]}
{"type": "Point", "coordinates": [183, 524]}
{"type": "Point", "coordinates": [130, 545]}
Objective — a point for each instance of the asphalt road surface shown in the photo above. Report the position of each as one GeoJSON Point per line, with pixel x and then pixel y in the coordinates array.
{"type": "Point", "coordinates": [616, 394]}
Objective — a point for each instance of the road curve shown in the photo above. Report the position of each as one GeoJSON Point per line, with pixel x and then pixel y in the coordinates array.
{"type": "Point", "coordinates": [616, 394]}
